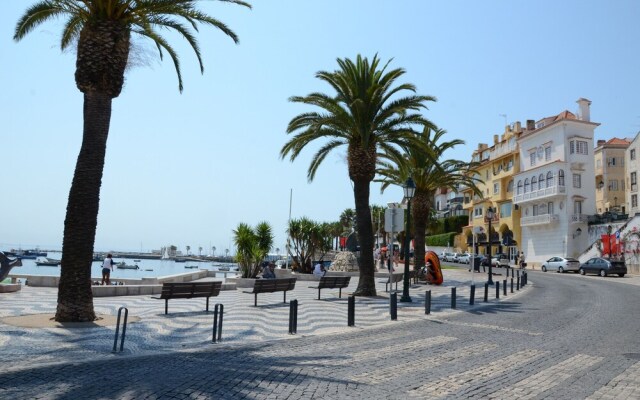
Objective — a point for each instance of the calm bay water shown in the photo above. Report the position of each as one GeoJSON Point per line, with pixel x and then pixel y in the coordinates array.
{"type": "Point", "coordinates": [147, 268]}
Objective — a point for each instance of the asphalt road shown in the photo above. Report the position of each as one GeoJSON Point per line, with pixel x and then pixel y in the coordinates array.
{"type": "Point", "coordinates": [571, 337]}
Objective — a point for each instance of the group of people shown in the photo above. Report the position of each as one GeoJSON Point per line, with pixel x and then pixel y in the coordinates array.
{"type": "Point", "coordinates": [381, 257]}
{"type": "Point", "coordinates": [268, 270]}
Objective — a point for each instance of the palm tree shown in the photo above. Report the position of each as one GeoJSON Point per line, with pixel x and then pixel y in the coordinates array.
{"type": "Point", "coordinates": [103, 30]}
{"type": "Point", "coordinates": [188, 248]}
{"type": "Point", "coordinates": [429, 173]}
{"type": "Point", "coordinates": [367, 115]}
{"type": "Point", "coordinates": [252, 246]}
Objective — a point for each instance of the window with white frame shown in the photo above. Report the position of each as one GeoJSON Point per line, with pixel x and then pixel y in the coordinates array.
{"type": "Point", "coordinates": [477, 211]}
{"type": "Point", "coordinates": [519, 190]}
{"type": "Point", "coordinates": [526, 185]}
{"type": "Point", "coordinates": [547, 153]}
{"type": "Point", "coordinates": [632, 154]}
{"type": "Point", "coordinates": [577, 181]}
{"type": "Point", "coordinates": [582, 147]}
{"type": "Point", "coordinates": [611, 161]}
{"type": "Point", "coordinates": [550, 207]}
{"type": "Point", "coordinates": [496, 187]}
{"type": "Point", "coordinates": [534, 184]}
{"type": "Point", "coordinates": [578, 147]}
{"type": "Point", "coordinates": [613, 184]}
{"type": "Point", "coordinates": [505, 210]}
{"type": "Point", "coordinates": [598, 163]}
{"type": "Point", "coordinates": [634, 200]}
{"type": "Point", "coordinates": [535, 210]}
{"type": "Point", "coordinates": [532, 158]}
{"type": "Point", "coordinates": [633, 177]}
{"type": "Point", "coordinates": [542, 209]}
{"type": "Point", "coordinates": [577, 207]}
{"type": "Point", "coordinates": [510, 186]}
{"type": "Point", "coordinates": [541, 183]}
{"type": "Point", "coordinates": [561, 177]}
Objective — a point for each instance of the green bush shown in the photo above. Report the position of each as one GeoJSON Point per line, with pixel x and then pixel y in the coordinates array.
{"type": "Point", "coordinates": [449, 224]}
{"type": "Point", "coordinates": [445, 239]}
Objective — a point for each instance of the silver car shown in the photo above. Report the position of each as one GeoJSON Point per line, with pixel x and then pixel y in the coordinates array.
{"type": "Point", "coordinates": [561, 264]}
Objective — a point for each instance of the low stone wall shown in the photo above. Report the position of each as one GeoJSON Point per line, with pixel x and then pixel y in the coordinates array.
{"type": "Point", "coordinates": [10, 287]}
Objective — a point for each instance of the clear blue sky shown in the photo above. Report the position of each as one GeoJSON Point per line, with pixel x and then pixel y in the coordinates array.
{"type": "Point", "coordinates": [186, 168]}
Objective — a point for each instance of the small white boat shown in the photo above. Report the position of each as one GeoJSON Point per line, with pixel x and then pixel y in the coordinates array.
{"type": "Point", "coordinates": [123, 265]}
{"type": "Point", "coordinates": [47, 262]}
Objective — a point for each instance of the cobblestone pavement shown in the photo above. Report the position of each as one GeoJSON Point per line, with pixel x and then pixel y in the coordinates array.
{"type": "Point", "coordinates": [563, 337]}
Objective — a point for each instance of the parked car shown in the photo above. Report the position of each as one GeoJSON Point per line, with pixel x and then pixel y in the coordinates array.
{"type": "Point", "coordinates": [603, 267]}
{"type": "Point", "coordinates": [463, 258]}
{"type": "Point", "coordinates": [449, 257]}
{"type": "Point", "coordinates": [500, 260]}
{"type": "Point", "coordinates": [561, 264]}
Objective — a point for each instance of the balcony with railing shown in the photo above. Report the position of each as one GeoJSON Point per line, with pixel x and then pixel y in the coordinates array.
{"type": "Point", "coordinates": [539, 219]}
{"type": "Point", "coordinates": [544, 193]}
{"type": "Point", "coordinates": [579, 218]}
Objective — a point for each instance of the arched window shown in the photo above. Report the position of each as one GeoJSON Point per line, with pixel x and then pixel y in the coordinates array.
{"type": "Point", "coordinates": [534, 184]}
{"type": "Point", "coordinates": [541, 184]}
{"type": "Point", "coordinates": [550, 182]}
{"type": "Point", "coordinates": [519, 191]}
{"type": "Point", "coordinates": [561, 178]}
{"type": "Point", "coordinates": [526, 185]}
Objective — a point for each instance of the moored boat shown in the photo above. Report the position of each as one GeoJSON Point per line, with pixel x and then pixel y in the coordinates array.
{"type": "Point", "coordinates": [47, 262]}
{"type": "Point", "coordinates": [123, 265]}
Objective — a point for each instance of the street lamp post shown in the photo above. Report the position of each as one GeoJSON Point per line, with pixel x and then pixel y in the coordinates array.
{"type": "Point", "coordinates": [609, 230]}
{"type": "Point", "coordinates": [409, 190]}
{"type": "Point", "coordinates": [489, 217]}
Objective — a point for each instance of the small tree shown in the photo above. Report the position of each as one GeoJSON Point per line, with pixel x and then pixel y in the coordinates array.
{"type": "Point", "coordinates": [252, 246]}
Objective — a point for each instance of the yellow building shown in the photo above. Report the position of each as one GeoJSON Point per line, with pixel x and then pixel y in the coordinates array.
{"type": "Point", "coordinates": [498, 164]}
{"type": "Point", "coordinates": [610, 175]}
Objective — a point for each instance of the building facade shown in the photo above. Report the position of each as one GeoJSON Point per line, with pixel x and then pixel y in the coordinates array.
{"type": "Point", "coordinates": [609, 156]}
{"type": "Point", "coordinates": [498, 165]}
{"type": "Point", "coordinates": [631, 175]}
{"type": "Point", "coordinates": [555, 189]}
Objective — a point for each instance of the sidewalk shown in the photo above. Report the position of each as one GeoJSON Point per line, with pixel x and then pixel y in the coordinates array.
{"type": "Point", "coordinates": [188, 326]}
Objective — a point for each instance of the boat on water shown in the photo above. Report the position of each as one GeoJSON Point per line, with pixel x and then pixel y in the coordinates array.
{"type": "Point", "coordinates": [28, 254]}
{"type": "Point", "coordinates": [123, 265]}
{"type": "Point", "coordinates": [179, 259]}
{"type": "Point", "coordinates": [136, 260]}
{"type": "Point", "coordinates": [191, 266]}
{"type": "Point", "coordinates": [47, 262]}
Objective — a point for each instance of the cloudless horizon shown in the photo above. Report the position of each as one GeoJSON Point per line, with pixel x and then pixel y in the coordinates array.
{"type": "Point", "coordinates": [185, 169]}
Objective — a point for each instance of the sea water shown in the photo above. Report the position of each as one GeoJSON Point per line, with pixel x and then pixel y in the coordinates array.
{"type": "Point", "coordinates": [147, 268]}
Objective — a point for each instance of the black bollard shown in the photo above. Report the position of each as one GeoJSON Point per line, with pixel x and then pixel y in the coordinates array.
{"type": "Point", "coordinates": [497, 289]}
{"type": "Point", "coordinates": [486, 292]}
{"type": "Point", "coordinates": [472, 295]}
{"type": "Point", "coordinates": [504, 287]}
{"type": "Point", "coordinates": [453, 298]}
{"type": "Point", "coordinates": [393, 306]}
{"type": "Point", "coordinates": [427, 302]}
{"type": "Point", "coordinates": [512, 284]}
{"type": "Point", "coordinates": [293, 317]}
{"type": "Point", "coordinates": [218, 312]}
{"type": "Point", "coordinates": [351, 312]}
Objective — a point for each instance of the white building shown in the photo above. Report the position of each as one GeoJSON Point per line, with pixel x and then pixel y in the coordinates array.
{"type": "Point", "coordinates": [632, 170]}
{"type": "Point", "coordinates": [555, 188]}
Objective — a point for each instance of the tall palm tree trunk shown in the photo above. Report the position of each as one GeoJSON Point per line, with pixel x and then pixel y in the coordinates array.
{"type": "Point", "coordinates": [366, 284]}
{"type": "Point", "coordinates": [420, 210]}
{"type": "Point", "coordinates": [75, 299]}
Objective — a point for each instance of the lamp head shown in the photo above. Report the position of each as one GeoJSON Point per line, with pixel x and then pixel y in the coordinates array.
{"type": "Point", "coordinates": [409, 189]}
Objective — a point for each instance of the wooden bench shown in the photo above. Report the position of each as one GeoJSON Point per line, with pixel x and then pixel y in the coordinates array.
{"type": "Point", "coordinates": [332, 282]}
{"type": "Point", "coordinates": [395, 278]}
{"type": "Point", "coordinates": [188, 290]}
{"type": "Point", "coordinates": [272, 285]}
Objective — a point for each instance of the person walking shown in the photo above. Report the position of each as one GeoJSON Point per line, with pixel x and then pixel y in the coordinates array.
{"type": "Point", "coordinates": [107, 267]}
{"type": "Point", "coordinates": [523, 264]}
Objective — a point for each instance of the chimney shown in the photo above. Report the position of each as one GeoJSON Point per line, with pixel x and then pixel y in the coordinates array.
{"type": "Point", "coordinates": [518, 127]}
{"type": "Point", "coordinates": [584, 104]}
{"type": "Point", "coordinates": [495, 139]}
{"type": "Point", "coordinates": [531, 125]}
{"type": "Point", "coordinates": [601, 142]}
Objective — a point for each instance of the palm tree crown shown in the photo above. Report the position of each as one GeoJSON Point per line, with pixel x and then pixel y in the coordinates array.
{"type": "Point", "coordinates": [367, 115]}
{"type": "Point", "coordinates": [143, 17]}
